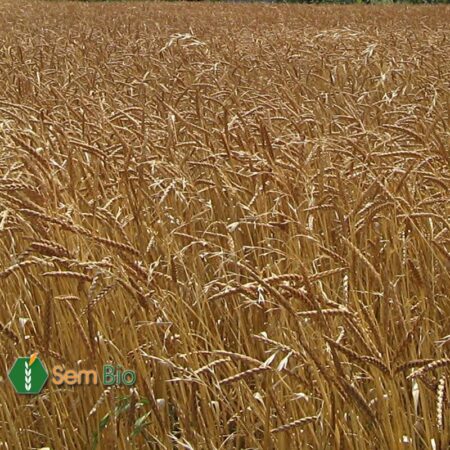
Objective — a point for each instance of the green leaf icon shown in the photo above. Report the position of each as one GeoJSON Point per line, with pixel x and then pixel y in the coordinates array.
{"type": "Point", "coordinates": [28, 375]}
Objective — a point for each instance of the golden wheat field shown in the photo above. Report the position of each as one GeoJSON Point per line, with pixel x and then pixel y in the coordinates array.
{"type": "Point", "coordinates": [246, 204]}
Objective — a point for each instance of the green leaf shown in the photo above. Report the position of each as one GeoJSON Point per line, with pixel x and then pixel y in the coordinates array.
{"type": "Point", "coordinates": [140, 424]}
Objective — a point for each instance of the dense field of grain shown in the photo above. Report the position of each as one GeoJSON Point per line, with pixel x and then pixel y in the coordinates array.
{"type": "Point", "coordinates": [246, 204]}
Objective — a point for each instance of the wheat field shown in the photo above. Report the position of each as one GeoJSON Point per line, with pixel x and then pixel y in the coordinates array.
{"type": "Point", "coordinates": [247, 204]}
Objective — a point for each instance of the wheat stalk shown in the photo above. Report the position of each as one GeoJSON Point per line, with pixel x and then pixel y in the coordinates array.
{"type": "Point", "coordinates": [295, 424]}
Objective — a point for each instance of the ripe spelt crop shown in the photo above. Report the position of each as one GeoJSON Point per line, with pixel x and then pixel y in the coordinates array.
{"type": "Point", "coordinates": [247, 204]}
